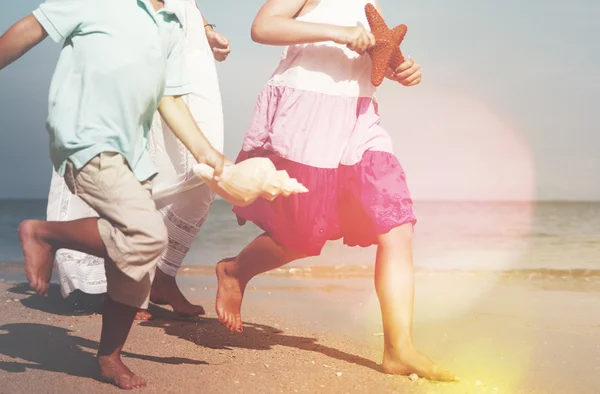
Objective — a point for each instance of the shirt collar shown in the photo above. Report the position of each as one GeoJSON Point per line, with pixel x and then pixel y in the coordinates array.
{"type": "Point", "coordinates": [168, 8]}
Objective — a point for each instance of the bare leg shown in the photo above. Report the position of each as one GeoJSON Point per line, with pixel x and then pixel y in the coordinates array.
{"type": "Point", "coordinates": [117, 319]}
{"type": "Point", "coordinates": [165, 291]}
{"type": "Point", "coordinates": [39, 241]}
{"type": "Point", "coordinates": [141, 314]}
{"type": "Point", "coordinates": [261, 255]}
{"type": "Point", "coordinates": [394, 283]}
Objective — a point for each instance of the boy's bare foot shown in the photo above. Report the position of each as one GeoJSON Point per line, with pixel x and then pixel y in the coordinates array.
{"type": "Point", "coordinates": [38, 254]}
{"type": "Point", "coordinates": [143, 315]}
{"type": "Point", "coordinates": [411, 361]}
{"type": "Point", "coordinates": [165, 291]}
{"type": "Point", "coordinates": [230, 292]}
{"type": "Point", "coordinates": [113, 370]}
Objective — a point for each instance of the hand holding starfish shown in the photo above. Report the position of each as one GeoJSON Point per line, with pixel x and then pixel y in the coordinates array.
{"type": "Point", "coordinates": [356, 38]}
{"type": "Point", "coordinates": [408, 73]}
{"type": "Point", "coordinates": [387, 59]}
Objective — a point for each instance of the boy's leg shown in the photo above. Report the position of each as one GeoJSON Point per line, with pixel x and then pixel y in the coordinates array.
{"type": "Point", "coordinates": [394, 283]}
{"type": "Point", "coordinates": [39, 241]}
{"type": "Point", "coordinates": [261, 255]}
{"type": "Point", "coordinates": [130, 232]}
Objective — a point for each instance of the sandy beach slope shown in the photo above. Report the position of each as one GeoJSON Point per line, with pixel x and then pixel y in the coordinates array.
{"type": "Point", "coordinates": [319, 335]}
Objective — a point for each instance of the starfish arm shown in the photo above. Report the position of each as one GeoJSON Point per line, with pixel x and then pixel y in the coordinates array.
{"type": "Point", "coordinates": [397, 58]}
{"type": "Point", "coordinates": [386, 53]}
{"type": "Point", "coordinates": [375, 19]}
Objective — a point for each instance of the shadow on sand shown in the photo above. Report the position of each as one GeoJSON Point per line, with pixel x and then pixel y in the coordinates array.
{"type": "Point", "coordinates": [210, 333]}
{"type": "Point", "coordinates": [56, 349]}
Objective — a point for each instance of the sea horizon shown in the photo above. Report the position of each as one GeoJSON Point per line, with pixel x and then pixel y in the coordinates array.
{"type": "Point", "coordinates": [539, 237]}
{"type": "Point", "coordinates": [425, 200]}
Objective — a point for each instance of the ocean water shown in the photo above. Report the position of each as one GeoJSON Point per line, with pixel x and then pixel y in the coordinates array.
{"type": "Point", "coordinates": [464, 236]}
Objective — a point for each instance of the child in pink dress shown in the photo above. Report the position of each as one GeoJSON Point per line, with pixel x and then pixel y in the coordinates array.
{"type": "Point", "coordinates": [317, 118]}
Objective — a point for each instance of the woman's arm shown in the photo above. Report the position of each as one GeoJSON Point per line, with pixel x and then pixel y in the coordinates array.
{"type": "Point", "coordinates": [177, 116]}
{"type": "Point", "coordinates": [275, 24]}
{"type": "Point", "coordinates": [20, 38]}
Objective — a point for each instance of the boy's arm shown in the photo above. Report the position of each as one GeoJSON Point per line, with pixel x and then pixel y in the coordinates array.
{"type": "Point", "coordinates": [55, 18]}
{"type": "Point", "coordinates": [177, 116]}
{"type": "Point", "coordinates": [20, 38]}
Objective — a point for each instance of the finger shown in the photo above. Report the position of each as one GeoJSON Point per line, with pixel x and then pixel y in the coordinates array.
{"type": "Point", "coordinates": [407, 73]}
{"type": "Point", "coordinates": [366, 41]}
{"type": "Point", "coordinates": [371, 40]}
{"type": "Point", "coordinates": [353, 46]}
{"type": "Point", "coordinates": [415, 82]}
{"type": "Point", "coordinates": [363, 43]}
{"type": "Point", "coordinates": [222, 41]}
{"type": "Point", "coordinates": [221, 51]}
{"type": "Point", "coordinates": [219, 164]}
{"type": "Point", "coordinates": [410, 78]}
{"type": "Point", "coordinates": [405, 65]}
{"type": "Point", "coordinates": [412, 81]}
{"type": "Point", "coordinates": [358, 48]}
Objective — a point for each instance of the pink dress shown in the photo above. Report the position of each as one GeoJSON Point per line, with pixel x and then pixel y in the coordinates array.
{"type": "Point", "coordinates": [317, 118]}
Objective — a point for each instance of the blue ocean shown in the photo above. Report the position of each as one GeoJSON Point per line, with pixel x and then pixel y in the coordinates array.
{"type": "Point", "coordinates": [449, 236]}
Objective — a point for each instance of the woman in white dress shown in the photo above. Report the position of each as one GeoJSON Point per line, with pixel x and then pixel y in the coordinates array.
{"type": "Point", "coordinates": [182, 199]}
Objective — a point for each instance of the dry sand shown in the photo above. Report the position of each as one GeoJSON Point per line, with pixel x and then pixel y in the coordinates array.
{"type": "Point", "coordinates": [319, 335]}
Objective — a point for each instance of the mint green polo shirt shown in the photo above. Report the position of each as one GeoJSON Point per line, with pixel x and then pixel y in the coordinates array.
{"type": "Point", "coordinates": [118, 59]}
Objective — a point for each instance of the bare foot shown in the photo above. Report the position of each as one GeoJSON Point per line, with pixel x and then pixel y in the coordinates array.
{"type": "Point", "coordinates": [230, 292]}
{"type": "Point", "coordinates": [38, 254]}
{"type": "Point", "coordinates": [409, 362]}
{"type": "Point", "coordinates": [143, 315]}
{"type": "Point", "coordinates": [113, 370]}
{"type": "Point", "coordinates": [165, 291]}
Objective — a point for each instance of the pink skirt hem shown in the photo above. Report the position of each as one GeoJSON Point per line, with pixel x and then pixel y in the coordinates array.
{"type": "Point", "coordinates": [355, 202]}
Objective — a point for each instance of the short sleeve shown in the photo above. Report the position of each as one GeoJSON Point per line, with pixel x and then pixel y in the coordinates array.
{"type": "Point", "coordinates": [60, 18]}
{"type": "Point", "coordinates": [177, 81]}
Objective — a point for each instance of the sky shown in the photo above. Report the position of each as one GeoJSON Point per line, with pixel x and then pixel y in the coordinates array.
{"type": "Point", "coordinates": [509, 106]}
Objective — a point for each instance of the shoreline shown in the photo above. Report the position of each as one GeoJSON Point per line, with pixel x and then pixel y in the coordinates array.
{"type": "Point", "coordinates": [366, 271]}
{"type": "Point", "coordinates": [318, 335]}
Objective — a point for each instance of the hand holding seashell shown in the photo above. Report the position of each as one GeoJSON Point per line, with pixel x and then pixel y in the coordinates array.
{"type": "Point", "coordinates": [241, 184]}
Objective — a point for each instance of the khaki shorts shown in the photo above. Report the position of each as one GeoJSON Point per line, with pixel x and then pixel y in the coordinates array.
{"type": "Point", "coordinates": [131, 228]}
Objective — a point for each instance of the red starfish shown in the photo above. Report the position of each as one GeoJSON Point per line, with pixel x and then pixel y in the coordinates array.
{"type": "Point", "coordinates": [386, 52]}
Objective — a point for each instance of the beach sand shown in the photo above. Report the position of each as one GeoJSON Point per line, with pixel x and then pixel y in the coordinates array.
{"type": "Point", "coordinates": [500, 333]}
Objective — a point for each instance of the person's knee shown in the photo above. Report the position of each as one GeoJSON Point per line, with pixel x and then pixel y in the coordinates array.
{"type": "Point", "coordinates": [151, 237]}
{"type": "Point", "coordinates": [398, 237]}
{"type": "Point", "coordinates": [158, 236]}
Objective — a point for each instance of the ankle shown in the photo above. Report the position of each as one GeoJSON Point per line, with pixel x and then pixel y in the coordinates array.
{"type": "Point", "coordinates": [230, 267]}
{"type": "Point", "coordinates": [400, 346]}
{"type": "Point", "coordinates": [40, 230]}
{"type": "Point", "coordinates": [105, 356]}
{"type": "Point", "coordinates": [162, 277]}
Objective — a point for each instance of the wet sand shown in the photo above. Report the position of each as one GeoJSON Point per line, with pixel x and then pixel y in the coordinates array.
{"type": "Point", "coordinates": [318, 334]}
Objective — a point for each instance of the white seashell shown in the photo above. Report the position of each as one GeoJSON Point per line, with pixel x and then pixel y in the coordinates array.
{"type": "Point", "coordinates": [243, 183]}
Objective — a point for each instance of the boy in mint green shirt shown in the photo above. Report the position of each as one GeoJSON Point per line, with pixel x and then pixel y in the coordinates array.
{"type": "Point", "coordinates": [121, 61]}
